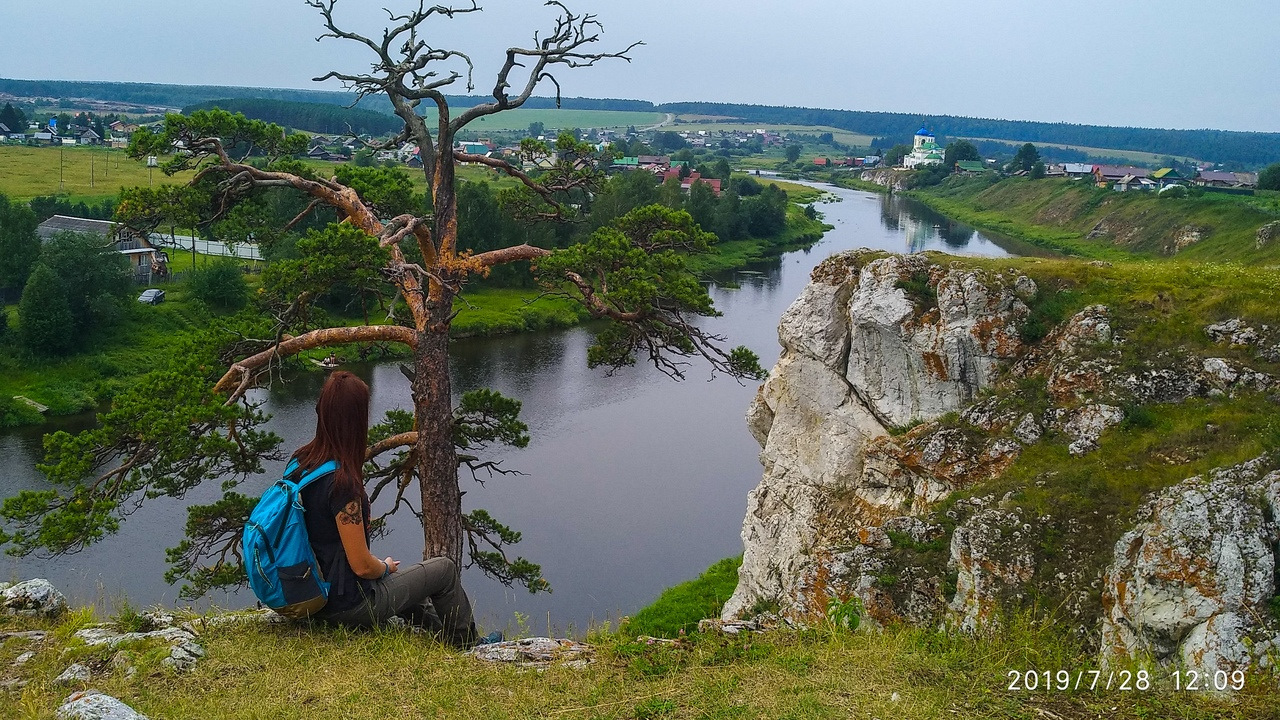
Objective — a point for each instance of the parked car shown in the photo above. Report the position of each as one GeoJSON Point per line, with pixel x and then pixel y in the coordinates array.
{"type": "Point", "coordinates": [151, 297]}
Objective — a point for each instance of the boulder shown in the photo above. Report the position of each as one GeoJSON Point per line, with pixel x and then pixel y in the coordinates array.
{"type": "Point", "coordinates": [93, 705]}
{"type": "Point", "coordinates": [73, 674]}
{"type": "Point", "coordinates": [33, 597]}
{"type": "Point", "coordinates": [1191, 583]}
{"type": "Point", "coordinates": [910, 361]}
{"type": "Point", "coordinates": [535, 652]}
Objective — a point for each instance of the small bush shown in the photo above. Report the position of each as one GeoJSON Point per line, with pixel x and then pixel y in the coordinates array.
{"type": "Point", "coordinates": [922, 294]}
{"type": "Point", "coordinates": [220, 285]}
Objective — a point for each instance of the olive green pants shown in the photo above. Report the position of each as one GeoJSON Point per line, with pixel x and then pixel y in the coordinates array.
{"type": "Point", "coordinates": [428, 595]}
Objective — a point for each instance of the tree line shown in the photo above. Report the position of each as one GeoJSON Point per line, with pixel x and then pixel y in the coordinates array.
{"type": "Point", "coordinates": [1243, 149]}
{"type": "Point", "coordinates": [312, 117]}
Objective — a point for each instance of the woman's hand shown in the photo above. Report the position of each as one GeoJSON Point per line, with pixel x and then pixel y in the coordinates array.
{"type": "Point", "coordinates": [392, 565]}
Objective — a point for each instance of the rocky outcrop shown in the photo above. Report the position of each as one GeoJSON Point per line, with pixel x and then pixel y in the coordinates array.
{"type": "Point", "coordinates": [1191, 584]}
{"type": "Point", "coordinates": [874, 342]}
{"type": "Point", "coordinates": [903, 381]}
{"type": "Point", "coordinates": [887, 177]}
{"type": "Point", "coordinates": [1266, 234]}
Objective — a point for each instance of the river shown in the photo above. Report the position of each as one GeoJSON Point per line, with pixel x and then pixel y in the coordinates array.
{"type": "Point", "coordinates": [632, 483]}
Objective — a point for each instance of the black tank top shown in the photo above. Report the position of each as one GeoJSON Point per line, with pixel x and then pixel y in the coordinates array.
{"type": "Point", "coordinates": [320, 508]}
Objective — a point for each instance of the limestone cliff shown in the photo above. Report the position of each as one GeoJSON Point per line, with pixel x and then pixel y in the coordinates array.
{"type": "Point", "coordinates": [887, 177]}
{"type": "Point", "coordinates": [892, 431]}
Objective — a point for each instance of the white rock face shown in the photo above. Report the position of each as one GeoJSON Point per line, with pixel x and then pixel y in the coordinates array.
{"type": "Point", "coordinates": [916, 363]}
{"type": "Point", "coordinates": [860, 355]}
{"type": "Point", "coordinates": [1191, 582]}
{"type": "Point", "coordinates": [1086, 424]}
{"type": "Point", "coordinates": [94, 705]}
{"type": "Point", "coordinates": [33, 597]}
{"type": "Point", "coordinates": [993, 556]}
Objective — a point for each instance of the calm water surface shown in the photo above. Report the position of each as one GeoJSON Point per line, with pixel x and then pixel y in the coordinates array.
{"type": "Point", "coordinates": [632, 483]}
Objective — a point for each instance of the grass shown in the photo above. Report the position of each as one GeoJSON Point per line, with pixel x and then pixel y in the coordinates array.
{"type": "Point", "coordinates": [88, 173]}
{"type": "Point", "coordinates": [846, 137]}
{"type": "Point", "coordinates": [554, 119]}
{"type": "Point", "coordinates": [1061, 215]}
{"type": "Point", "coordinates": [107, 360]}
{"type": "Point", "coordinates": [678, 609]}
{"type": "Point", "coordinates": [292, 671]}
{"type": "Point", "coordinates": [498, 311]}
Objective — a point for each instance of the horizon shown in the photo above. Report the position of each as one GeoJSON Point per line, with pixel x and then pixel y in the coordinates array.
{"type": "Point", "coordinates": [657, 105]}
{"type": "Point", "coordinates": [1092, 62]}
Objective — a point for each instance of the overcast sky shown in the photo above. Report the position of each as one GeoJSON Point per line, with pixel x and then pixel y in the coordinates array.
{"type": "Point", "coordinates": [1153, 63]}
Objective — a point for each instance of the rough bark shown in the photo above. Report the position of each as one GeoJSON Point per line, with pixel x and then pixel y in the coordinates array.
{"type": "Point", "coordinates": [437, 459]}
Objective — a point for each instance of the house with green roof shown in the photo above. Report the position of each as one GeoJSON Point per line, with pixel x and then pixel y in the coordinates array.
{"type": "Point", "coordinates": [1164, 177]}
{"type": "Point", "coordinates": [970, 167]}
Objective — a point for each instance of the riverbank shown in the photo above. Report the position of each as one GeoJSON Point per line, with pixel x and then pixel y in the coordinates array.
{"type": "Point", "coordinates": [1076, 218]}
{"type": "Point", "coordinates": [84, 381]}
{"type": "Point", "coordinates": [258, 669]}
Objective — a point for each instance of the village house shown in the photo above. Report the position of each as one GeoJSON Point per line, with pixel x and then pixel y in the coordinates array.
{"type": "Point", "coordinates": [1165, 177]}
{"type": "Point", "coordinates": [694, 177]}
{"type": "Point", "coordinates": [1133, 182]}
{"type": "Point", "coordinates": [970, 167]}
{"type": "Point", "coordinates": [1076, 171]}
{"type": "Point", "coordinates": [89, 137]}
{"type": "Point", "coordinates": [1221, 179]}
{"type": "Point", "coordinates": [145, 259]}
{"type": "Point", "coordinates": [1104, 175]}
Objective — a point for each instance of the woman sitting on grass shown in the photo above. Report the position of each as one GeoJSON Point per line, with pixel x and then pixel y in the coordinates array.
{"type": "Point", "coordinates": [365, 591]}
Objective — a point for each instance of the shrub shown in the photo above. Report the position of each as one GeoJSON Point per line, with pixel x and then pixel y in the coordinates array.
{"type": "Point", "coordinates": [220, 285]}
{"type": "Point", "coordinates": [45, 323]}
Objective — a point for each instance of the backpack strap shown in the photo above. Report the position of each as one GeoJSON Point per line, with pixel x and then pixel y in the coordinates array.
{"type": "Point", "coordinates": [325, 469]}
{"type": "Point", "coordinates": [296, 487]}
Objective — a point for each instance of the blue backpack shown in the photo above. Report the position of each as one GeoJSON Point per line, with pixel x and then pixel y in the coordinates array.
{"type": "Point", "coordinates": [278, 558]}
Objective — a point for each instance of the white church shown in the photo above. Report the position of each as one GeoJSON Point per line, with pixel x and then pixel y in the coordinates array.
{"type": "Point", "coordinates": [925, 152]}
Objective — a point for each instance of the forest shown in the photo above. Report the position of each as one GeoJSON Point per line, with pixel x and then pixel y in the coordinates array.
{"type": "Point", "coordinates": [1237, 149]}
{"type": "Point", "coordinates": [314, 117]}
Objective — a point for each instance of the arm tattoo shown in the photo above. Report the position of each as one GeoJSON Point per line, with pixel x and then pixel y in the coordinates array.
{"type": "Point", "coordinates": [351, 514]}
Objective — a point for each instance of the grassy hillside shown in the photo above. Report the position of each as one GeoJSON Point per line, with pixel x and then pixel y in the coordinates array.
{"type": "Point", "coordinates": [289, 671]}
{"type": "Point", "coordinates": [1077, 218]}
{"type": "Point", "coordinates": [86, 172]}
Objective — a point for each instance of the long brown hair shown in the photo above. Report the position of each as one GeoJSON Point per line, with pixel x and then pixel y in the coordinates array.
{"type": "Point", "coordinates": [342, 433]}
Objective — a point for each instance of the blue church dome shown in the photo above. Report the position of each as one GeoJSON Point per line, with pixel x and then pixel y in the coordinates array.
{"type": "Point", "coordinates": [924, 131]}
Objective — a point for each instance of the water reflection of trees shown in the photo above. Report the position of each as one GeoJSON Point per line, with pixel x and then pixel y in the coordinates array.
{"type": "Point", "coordinates": [921, 224]}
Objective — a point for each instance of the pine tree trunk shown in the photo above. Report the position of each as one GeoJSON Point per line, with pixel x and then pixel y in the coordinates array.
{"type": "Point", "coordinates": [437, 459]}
